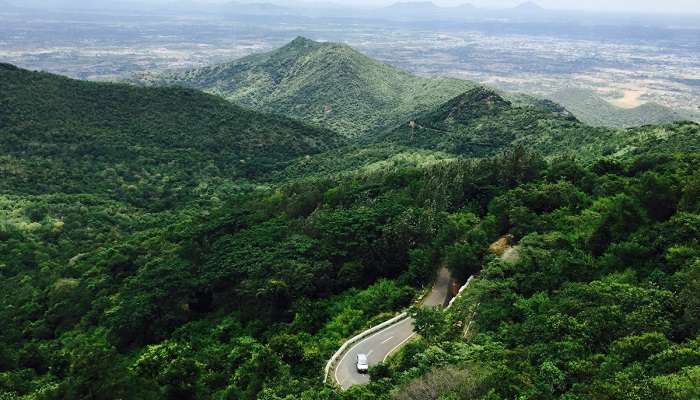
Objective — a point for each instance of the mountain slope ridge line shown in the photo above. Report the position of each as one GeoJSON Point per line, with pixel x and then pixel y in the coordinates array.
{"type": "Point", "coordinates": [326, 84]}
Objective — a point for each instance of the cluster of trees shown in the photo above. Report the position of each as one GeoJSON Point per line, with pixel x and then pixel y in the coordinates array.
{"type": "Point", "coordinates": [246, 300]}
{"type": "Point", "coordinates": [600, 302]}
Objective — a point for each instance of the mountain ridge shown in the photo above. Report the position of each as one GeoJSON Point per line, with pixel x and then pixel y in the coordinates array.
{"type": "Point", "coordinates": [483, 122]}
{"type": "Point", "coordinates": [596, 111]}
{"type": "Point", "coordinates": [329, 85]}
{"type": "Point", "coordinates": [134, 131]}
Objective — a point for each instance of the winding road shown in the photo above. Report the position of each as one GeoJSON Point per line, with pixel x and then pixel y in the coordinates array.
{"type": "Point", "coordinates": [379, 346]}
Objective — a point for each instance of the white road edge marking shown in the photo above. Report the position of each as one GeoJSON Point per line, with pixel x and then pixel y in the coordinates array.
{"type": "Point", "coordinates": [362, 341]}
{"type": "Point", "coordinates": [397, 346]}
{"type": "Point", "coordinates": [387, 340]}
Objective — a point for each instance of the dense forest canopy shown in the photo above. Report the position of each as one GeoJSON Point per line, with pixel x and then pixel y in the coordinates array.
{"type": "Point", "coordinates": [166, 244]}
{"type": "Point", "coordinates": [68, 136]}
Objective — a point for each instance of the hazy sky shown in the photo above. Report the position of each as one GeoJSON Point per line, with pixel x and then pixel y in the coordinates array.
{"type": "Point", "coordinates": [662, 6]}
{"type": "Point", "coordinates": [607, 5]}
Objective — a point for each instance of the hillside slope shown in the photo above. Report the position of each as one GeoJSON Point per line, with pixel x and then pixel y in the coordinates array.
{"type": "Point", "coordinates": [595, 111]}
{"type": "Point", "coordinates": [325, 84]}
{"type": "Point", "coordinates": [71, 136]}
{"type": "Point", "coordinates": [481, 122]}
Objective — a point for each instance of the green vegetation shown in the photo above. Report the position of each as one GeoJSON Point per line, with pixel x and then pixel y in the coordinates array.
{"type": "Point", "coordinates": [166, 244]}
{"type": "Point", "coordinates": [482, 123]}
{"type": "Point", "coordinates": [600, 302]}
{"type": "Point", "coordinates": [324, 84]}
{"type": "Point", "coordinates": [150, 147]}
{"type": "Point", "coordinates": [595, 111]}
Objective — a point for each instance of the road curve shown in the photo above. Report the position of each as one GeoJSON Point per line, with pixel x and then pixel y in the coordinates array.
{"type": "Point", "coordinates": [379, 346]}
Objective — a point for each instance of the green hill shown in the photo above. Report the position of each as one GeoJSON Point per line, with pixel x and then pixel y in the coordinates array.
{"type": "Point", "coordinates": [482, 123]}
{"type": "Point", "coordinates": [595, 111]}
{"type": "Point", "coordinates": [325, 84]}
{"type": "Point", "coordinates": [63, 135]}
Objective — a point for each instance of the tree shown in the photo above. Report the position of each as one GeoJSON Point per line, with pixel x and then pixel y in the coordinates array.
{"type": "Point", "coordinates": [684, 385]}
{"type": "Point", "coordinates": [430, 323]}
{"type": "Point", "coordinates": [421, 267]}
{"type": "Point", "coordinates": [464, 259]}
{"type": "Point", "coordinates": [620, 216]}
{"type": "Point", "coordinates": [171, 366]}
{"type": "Point", "coordinates": [658, 194]}
{"type": "Point", "coordinates": [94, 367]}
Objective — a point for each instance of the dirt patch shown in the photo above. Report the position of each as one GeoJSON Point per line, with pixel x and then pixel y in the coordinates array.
{"type": "Point", "coordinates": [630, 99]}
{"type": "Point", "coordinates": [503, 248]}
{"type": "Point", "coordinates": [501, 245]}
{"type": "Point", "coordinates": [511, 255]}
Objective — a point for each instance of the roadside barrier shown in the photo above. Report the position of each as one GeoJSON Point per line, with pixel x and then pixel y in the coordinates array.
{"type": "Point", "coordinates": [466, 285]}
{"type": "Point", "coordinates": [377, 328]}
{"type": "Point", "coordinates": [357, 338]}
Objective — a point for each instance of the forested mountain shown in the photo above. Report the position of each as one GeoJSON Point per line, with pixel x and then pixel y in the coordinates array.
{"type": "Point", "coordinates": [595, 111]}
{"type": "Point", "coordinates": [325, 84]}
{"type": "Point", "coordinates": [481, 122]}
{"type": "Point", "coordinates": [163, 243]}
{"type": "Point", "coordinates": [151, 145]}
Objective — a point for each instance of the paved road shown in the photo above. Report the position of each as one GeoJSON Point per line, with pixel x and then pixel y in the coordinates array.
{"type": "Point", "coordinates": [438, 294]}
{"type": "Point", "coordinates": [382, 344]}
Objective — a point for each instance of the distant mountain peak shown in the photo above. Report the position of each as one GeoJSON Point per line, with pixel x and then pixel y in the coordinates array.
{"type": "Point", "coordinates": [414, 5]}
{"type": "Point", "coordinates": [302, 41]}
{"type": "Point", "coordinates": [330, 84]}
{"type": "Point", "coordinates": [467, 6]}
{"type": "Point", "coordinates": [427, 9]}
{"type": "Point", "coordinates": [474, 103]}
{"type": "Point", "coordinates": [529, 6]}
{"type": "Point", "coordinates": [593, 109]}
{"type": "Point", "coordinates": [259, 5]}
